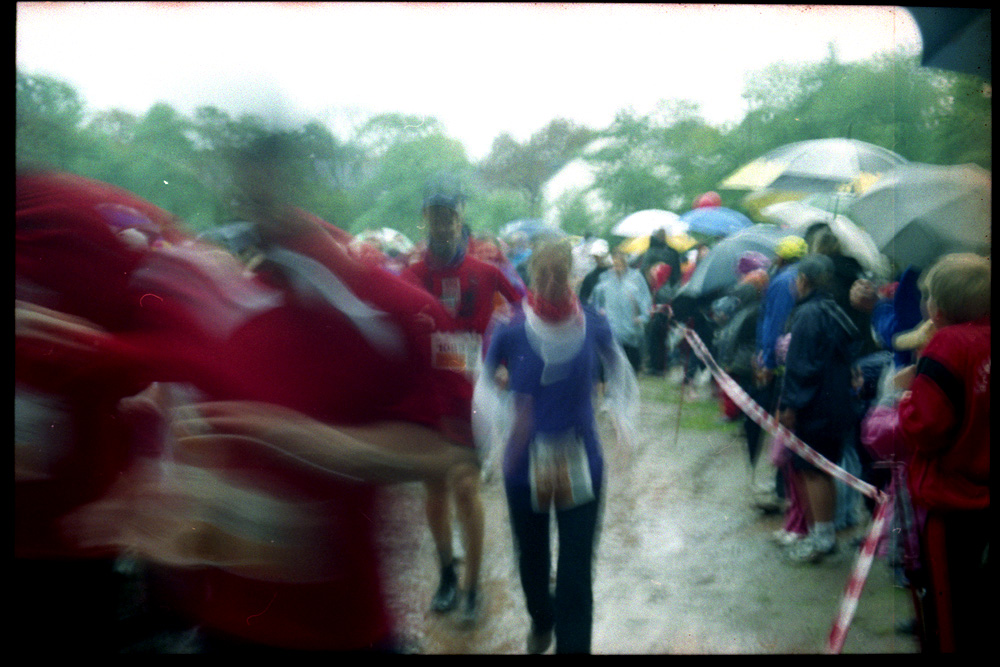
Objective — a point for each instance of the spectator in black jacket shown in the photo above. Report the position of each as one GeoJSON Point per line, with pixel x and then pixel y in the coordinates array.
{"type": "Point", "coordinates": [816, 401]}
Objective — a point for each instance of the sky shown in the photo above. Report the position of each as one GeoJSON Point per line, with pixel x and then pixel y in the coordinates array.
{"type": "Point", "coordinates": [479, 68]}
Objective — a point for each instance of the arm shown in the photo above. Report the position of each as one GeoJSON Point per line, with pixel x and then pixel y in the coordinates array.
{"type": "Point", "coordinates": [391, 451]}
{"type": "Point", "coordinates": [779, 304]}
{"type": "Point", "coordinates": [803, 367]}
{"type": "Point", "coordinates": [932, 405]}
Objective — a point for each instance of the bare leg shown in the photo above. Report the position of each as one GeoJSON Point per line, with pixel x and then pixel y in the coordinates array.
{"type": "Point", "coordinates": [822, 496]}
{"type": "Point", "coordinates": [439, 519]}
{"type": "Point", "coordinates": [469, 508]}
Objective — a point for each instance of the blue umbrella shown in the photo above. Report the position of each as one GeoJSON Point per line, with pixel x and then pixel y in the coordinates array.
{"type": "Point", "coordinates": [530, 227]}
{"type": "Point", "coordinates": [715, 220]}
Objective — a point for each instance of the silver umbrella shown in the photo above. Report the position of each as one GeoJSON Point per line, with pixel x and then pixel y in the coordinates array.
{"type": "Point", "coordinates": [816, 166]}
{"type": "Point", "coordinates": [799, 217]}
{"type": "Point", "coordinates": [919, 212]}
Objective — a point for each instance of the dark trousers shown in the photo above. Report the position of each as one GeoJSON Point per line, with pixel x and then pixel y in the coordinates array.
{"type": "Point", "coordinates": [656, 342]}
{"type": "Point", "coordinates": [570, 612]}
{"type": "Point", "coordinates": [956, 614]}
{"type": "Point", "coordinates": [634, 356]}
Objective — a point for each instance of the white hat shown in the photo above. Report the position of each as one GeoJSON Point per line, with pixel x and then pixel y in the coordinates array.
{"type": "Point", "coordinates": [599, 248]}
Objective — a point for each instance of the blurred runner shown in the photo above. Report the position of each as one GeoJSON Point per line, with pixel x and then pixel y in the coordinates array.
{"type": "Point", "coordinates": [466, 287]}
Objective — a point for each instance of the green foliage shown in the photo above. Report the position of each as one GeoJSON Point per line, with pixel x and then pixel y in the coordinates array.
{"type": "Point", "coordinates": [375, 178]}
{"type": "Point", "coordinates": [575, 217]}
{"type": "Point", "coordinates": [490, 209]}
{"type": "Point", "coordinates": [527, 167]}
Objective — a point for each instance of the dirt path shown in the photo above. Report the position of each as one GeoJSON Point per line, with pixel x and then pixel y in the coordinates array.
{"type": "Point", "coordinates": [684, 564]}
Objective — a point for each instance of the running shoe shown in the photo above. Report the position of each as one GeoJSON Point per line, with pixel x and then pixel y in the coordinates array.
{"type": "Point", "coordinates": [810, 550]}
{"type": "Point", "coordinates": [539, 642]}
{"type": "Point", "coordinates": [446, 597]}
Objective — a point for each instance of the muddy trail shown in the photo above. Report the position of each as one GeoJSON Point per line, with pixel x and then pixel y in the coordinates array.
{"type": "Point", "coordinates": [685, 564]}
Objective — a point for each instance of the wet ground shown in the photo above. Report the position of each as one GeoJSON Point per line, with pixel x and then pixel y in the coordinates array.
{"type": "Point", "coordinates": [684, 565]}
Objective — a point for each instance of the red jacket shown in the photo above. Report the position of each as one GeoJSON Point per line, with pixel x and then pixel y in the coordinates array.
{"type": "Point", "coordinates": [466, 290]}
{"type": "Point", "coordinates": [178, 320]}
{"type": "Point", "coordinates": [946, 420]}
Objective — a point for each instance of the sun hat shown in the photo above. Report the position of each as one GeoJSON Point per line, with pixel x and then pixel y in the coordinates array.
{"type": "Point", "coordinates": [791, 247]}
{"type": "Point", "coordinates": [751, 261]}
{"type": "Point", "coordinates": [599, 248]}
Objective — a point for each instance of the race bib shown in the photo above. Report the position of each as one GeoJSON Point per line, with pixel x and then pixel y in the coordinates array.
{"type": "Point", "coordinates": [560, 472]}
{"type": "Point", "coordinates": [459, 352]}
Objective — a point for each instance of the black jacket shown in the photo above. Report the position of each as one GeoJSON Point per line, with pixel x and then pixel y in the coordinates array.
{"type": "Point", "coordinates": [817, 378]}
{"type": "Point", "coordinates": [659, 251]}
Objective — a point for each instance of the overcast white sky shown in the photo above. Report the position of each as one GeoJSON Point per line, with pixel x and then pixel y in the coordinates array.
{"type": "Point", "coordinates": [480, 69]}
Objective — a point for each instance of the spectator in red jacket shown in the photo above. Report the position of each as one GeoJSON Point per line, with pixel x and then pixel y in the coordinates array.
{"type": "Point", "coordinates": [945, 419]}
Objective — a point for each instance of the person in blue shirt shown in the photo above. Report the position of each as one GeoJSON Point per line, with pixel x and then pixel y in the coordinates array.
{"type": "Point", "coordinates": [776, 306]}
{"type": "Point", "coordinates": [779, 300]}
{"type": "Point", "coordinates": [622, 295]}
{"type": "Point", "coordinates": [545, 359]}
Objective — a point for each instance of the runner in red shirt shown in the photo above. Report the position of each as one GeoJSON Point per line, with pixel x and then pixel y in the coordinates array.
{"type": "Point", "coordinates": [325, 341]}
{"type": "Point", "coordinates": [466, 287]}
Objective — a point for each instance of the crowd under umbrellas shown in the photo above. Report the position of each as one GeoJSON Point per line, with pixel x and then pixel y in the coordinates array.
{"type": "Point", "coordinates": [899, 214]}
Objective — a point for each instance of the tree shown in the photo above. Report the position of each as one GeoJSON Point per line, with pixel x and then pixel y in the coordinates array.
{"type": "Point", "coordinates": [392, 195]}
{"type": "Point", "coordinates": [48, 116]}
{"type": "Point", "coordinates": [526, 167]}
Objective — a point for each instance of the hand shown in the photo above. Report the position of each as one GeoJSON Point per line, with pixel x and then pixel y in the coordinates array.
{"type": "Point", "coordinates": [857, 379]}
{"type": "Point", "coordinates": [425, 321]}
{"type": "Point", "coordinates": [502, 377]}
{"type": "Point", "coordinates": [863, 295]}
{"type": "Point", "coordinates": [64, 339]}
{"type": "Point", "coordinates": [763, 376]}
{"type": "Point", "coordinates": [904, 378]}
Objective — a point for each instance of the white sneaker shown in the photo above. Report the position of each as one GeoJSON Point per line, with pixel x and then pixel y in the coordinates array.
{"type": "Point", "coordinates": [786, 538]}
{"type": "Point", "coordinates": [810, 550]}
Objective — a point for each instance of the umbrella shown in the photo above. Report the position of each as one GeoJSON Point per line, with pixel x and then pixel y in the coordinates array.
{"type": "Point", "coordinates": [815, 166]}
{"type": "Point", "coordinates": [644, 223]}
{"type": "Point", "coordinates": [919, 212]}
{"type": "Point", "coordinates": [956, 39]}
{"type": "Point", "coordinates": [640, 244]}
{"type": "Point", "coordinates": [716, 271]}
{"type": "Point", "coordinates": [387, 239]}
{"type": "Point", "coordinates": [530, 227]}
{"type": "Point", "coordinates": [799, 217]}
{"type": "Point", "coordinates": [715, 220]}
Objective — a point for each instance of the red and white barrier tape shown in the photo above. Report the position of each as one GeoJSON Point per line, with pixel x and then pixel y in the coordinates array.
{"type": "Point", "coordinates": [769, 423]}
{"type": "Point", "coordinates": [859, 575]}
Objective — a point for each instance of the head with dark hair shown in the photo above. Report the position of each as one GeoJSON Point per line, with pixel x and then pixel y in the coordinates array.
{"type": "Point", "coordinates": [442, 215]}
{"type": "Point", "coordinates": [815, 271]}
{"type": "Point", "coordinates": [825, 242]}
{"type": "Point", "coordinates": [266, 176]}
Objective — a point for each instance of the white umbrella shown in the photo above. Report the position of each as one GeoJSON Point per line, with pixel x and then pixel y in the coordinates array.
{"type": "Point", "coordinates": [387, 239]}
{"type": "Point", "coordinates": [855, 242]}
{"type": "Point", "coordinates": [644, 223]}
{"type": "Point", "coordinates": [918, 212]}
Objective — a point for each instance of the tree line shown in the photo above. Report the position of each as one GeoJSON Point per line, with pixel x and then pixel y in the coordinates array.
{"type": "Point", "coordinates": [374, 177]}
